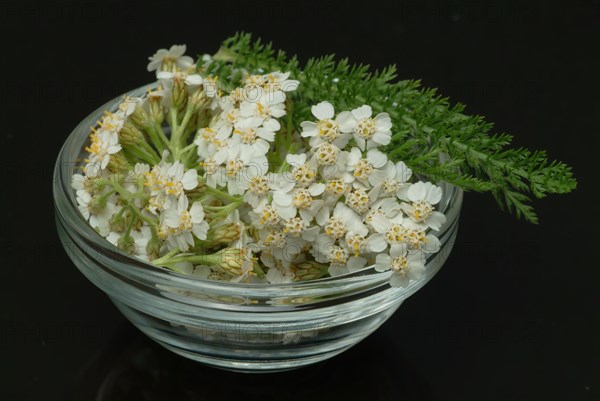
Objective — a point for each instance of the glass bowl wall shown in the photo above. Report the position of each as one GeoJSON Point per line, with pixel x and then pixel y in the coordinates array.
{"type": "Point", "coordinates": [243, 327]}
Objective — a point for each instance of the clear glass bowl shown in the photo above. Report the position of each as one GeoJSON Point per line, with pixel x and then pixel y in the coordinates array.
{"type": "Point", "coordinates": [242, 327]}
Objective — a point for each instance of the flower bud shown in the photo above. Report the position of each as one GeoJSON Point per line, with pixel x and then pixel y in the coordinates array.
{"type": "Point", "coordinates": [139, 117]}
{"type": "Point", "coordinates": [97, 204]}
{"type": "Point", "coordinates": [234, 261]}
{"type": "Point", "coordinates": [179, 92]}
{"type": "Point", "coordinates": [117, 223]}
{"type": "Point", "coordinates": [153, 248]}
{"type": "Point", "coordinates": [309, 270]}
{"type": "Point", "coordinates": [126, 243]}
{"type": "Point", "coordinates": [156, 110]}
{"type": "Point", "coordinates": [225, 234]}
{"type": "Point", "coordinates": [118, 162]}
{"type": "Point", "coordinates": [130, 135]}
{"type": "Point", "coordinates": [198, 99]}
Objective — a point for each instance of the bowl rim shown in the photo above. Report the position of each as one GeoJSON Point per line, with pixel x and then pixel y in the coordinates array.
{"type": "Point", "coordinates": [64, 197]}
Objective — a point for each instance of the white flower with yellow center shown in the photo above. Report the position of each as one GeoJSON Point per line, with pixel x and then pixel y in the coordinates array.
{"type": "Point", "coordinates": [281, 247]}
{"type": "Point", "coordinates": [265, 216]}
{"type": "Point", "coordinates": [393, 181]}
{"type": "Point", "coordinates": [178, 224]}
{"type": "Point", "coordinates": [405, 266]}
{"type": "Point", "coordinates": [337, 256]}
{"type": "Point", "coordinates": [303, 173]}
{"type": "Point", "coordinates": [258, 186]}
{"type": "Point", "coordinates": [326, 154]}
{"type": "Point", "coordinates": [170, 60]}
{"type": "Point", "coordinates": [213, 173]}
{"type": "Point", "coordinates": [167, 180]}
{"type": "Point", "coordinates": [326, 250]}
{"type": "Point", "coordinates": [326, 129]}
{"type": "Point", "coordinates": [368, 132]}
{"type": "Point", "coordinates": [128, 105]}
{"type": "Point", "coordinates": [113, 122]}
{"type": "Point", "coordinates": [254, 137]}
{"type": "Point", "coordinates": [336, 188]}
{"type": "Point", "coordinates": [392, 229]}
{"type": "Point", "coordinates": [271, 86]}
{"type": "Point", "coordinates": [265, 107]}
{"type": "Point", "coordinates": [279, 81]}
{"type": "Point", "coordinates": [272, 238]}
{"type": "Point", "coordinates": [332, 161]}
{"type": "Point", "coordinates": [417, 238]}
{"type": "Point", "coordinates": [366, 170]}
{"type": "Point", "coordinates": [360, 199]}
{"type": "Point", "coordinates": [103, 145]}
{"type": "Point", "coordinates": [170, 79]}
{"type": "Point", "coordinates": [226, 119]}
{"type": "Point", "coordinates": [361, 244]}
{"type": "Point", "coordinates": [299, 200]}
{"type": "Point", "coordinates": [207, 142]}
{"type": "Point", "coordinates": [342, 221]}
{"type": "Point", "coordinates": [423, 196]}
{"type": "Point", "coordinates": [233, 166]}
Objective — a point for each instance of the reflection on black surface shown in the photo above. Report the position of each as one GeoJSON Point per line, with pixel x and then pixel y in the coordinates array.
{"type": "Point", "coordinates": [133, 367]}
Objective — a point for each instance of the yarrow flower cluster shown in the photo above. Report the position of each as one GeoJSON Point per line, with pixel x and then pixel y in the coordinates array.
{"type": "Point", "coordinates": [223, 184]}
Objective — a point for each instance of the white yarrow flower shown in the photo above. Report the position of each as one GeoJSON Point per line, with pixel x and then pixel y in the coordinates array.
{"type": "Point", "coordinates": [423, 196]}
{"type": "Point", "coordinates": [326, 129]}
{"type": "Point", "coordinates": [368, 132]}
{"type": "Point", "coordinates": [405, 267]}
{"type": "Point", "coordinates": [170, 59]}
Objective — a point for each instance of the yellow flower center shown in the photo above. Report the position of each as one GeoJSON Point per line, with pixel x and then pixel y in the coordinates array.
{"type": "Point", "coordinates": [365, 128]}
{"type": "Point", "coordinates": [328, 129]}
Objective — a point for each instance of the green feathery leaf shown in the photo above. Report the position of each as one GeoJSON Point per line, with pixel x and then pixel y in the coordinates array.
{"type": "Point", "coordinates": [430, 135]}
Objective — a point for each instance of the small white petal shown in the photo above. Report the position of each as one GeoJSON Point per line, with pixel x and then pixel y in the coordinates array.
{"type": "Point", "coordinates": [377, 158]}
{"type": "Point", "coordinates": [417, 191]}
{"type": "Point", "coordinates": [355, 263]}
{"type": "Point", "coordinates": [436, 220]}
{"type": "Point", "coordinates": [376, 243]}
{"type": "Point", "coordinates": [323, 110]}
{"type": "Point", "coordinates": [380, 223]}
{"type": "Point", "coordinates": [362, 112]}
{"type": "Point", "coordinates": [398, 280]}
{"type": "Point", "coordinates": [383, 262]}
{"type": "Point", "coordinates": [346, 121]}
{"type": "Point", "coordinates": [190, 179]}
{"type": "Point", "coordinates": [282, 199]}
{"type": "Point", "coordinates": [316, 189]}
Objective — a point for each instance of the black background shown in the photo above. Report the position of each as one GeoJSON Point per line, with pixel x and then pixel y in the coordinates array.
{"type": "Point", "coordinates": [512, 315]}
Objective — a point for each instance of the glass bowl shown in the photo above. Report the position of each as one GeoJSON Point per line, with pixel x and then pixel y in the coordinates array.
{"type": "Point", "coordinates": [241, 327]}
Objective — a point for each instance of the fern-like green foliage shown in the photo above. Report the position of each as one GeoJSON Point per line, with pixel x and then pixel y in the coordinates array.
{"type": "Point", "coordinates": [433, 137]}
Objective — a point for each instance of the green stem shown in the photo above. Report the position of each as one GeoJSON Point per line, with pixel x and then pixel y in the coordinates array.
{"type": "Point", "coordinates": [174, 125]}
{"type": "Point", "coordinates": [151, 152]}
{"type": "Point", "coordinates": [221, 194]}
{"type": "Point", "coordinates": [163, 137]}
{"type": "Point", "coordinates": [155, 138]}
{"type": "Point", "coordinates": [151, 222]}
{"type": "Point", "coordinates": [169, 260]}
{"type": "Point", "coordinates": [182, 153]}
{"type": "Point", "coordinates": [130, 226]}
{"type": "Point", "coordinates": [141, 154]}
{"type": "Point", "coordinates": [181, 129]}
